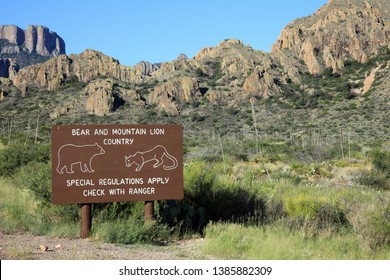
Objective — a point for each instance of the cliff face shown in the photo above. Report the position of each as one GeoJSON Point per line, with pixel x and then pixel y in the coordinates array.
{"type": "Point", "coordinates": [185, 89]}
{"type": "Point", "coordinates": [86, 66]}
{"type": "Point", "coordinates": [339, 31]}
{"type": "Point", "coordinates": [35, 38]}
{"type": "Point", "coordinates": [8, 68]}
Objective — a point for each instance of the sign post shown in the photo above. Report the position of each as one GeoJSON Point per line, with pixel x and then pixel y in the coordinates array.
{"type": "Point", "coordinates": [85, 220]}
{"type": "Point", "coordinates": [115, 163]}
{"type": "Point", "coordinates": [149, 210]}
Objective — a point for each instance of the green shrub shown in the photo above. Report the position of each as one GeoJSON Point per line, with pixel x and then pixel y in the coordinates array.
{"type": "Point", "coordinates": [117, 210]}
{"type": "Point", "coordinates": [329, 215]}
{"type": "Point", "coordinates": [318, 153]}
{"type": "Point", "coordinates": [132, 231]}
{"type": "Point", "coordinates": [183, 215]}
{"type": "Point", "coordinates": [278, 242]}
{"type": "Point", "coordinates": [14, 156]}
{"type": "Point", "coordinates": [374, 179]}
{"type": "Point", "coordinates": [378, 229]}
{"type": "Point", "coordinates": [196, 117]}
{"type": "Point", "coordinates": [379, 177]}
{"type": "Point", "coordinates": [223, 197]}
{"type": "Point", "coordinates": [316, 210]}
{"type": "Point", "coordinates": [36, 176]}
{"type": "Point", "coordinates": [381, 161]}
{"type": "Point", "coordinates": [199, 72]}
{"type": "Point", "coordinates": [303, 205]}
{"type": "Point", "coordinates": [373, 224]}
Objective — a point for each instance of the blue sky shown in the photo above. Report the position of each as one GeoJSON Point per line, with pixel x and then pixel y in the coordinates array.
{"type": "Point", "coordinates": [157, 31]}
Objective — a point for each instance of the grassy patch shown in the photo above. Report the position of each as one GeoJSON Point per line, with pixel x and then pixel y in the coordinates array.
{"type": "Point", "coordinates": [234, 241]}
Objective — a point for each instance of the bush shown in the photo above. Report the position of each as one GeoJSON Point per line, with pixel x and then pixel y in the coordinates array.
{"type": "Point", "coordinates": [374, 179]}
{"type": "Point", "coordinates": [316, 210]}
{"type": "Point", "coordinates": [14, 156]}
{"type": "Point", "coordinates": [132, 231]}
{"type": "Point", "coordinates": [373, 224]}
{"type": "Point", "coordinates": [331, 215]}
{"type": "Point", "coordinates": [302, 205]}
{"type": "Point", "coordinates": [183, 215]}
{"type": "Point", "coordinates": [317, 153]}
{"type": "Point", "coordinates": [223, 197]}
{"type": "Point", "coordinates": [379, 177]}
{"type": "Point", "coordinates": [378, 229]}
{"type": "Point", "coordinates": [381, 162]}
{"type": "Point", "coordinates": [199, 72]}
{"type": "Point", "coordinates": [36, 176]}
{"type": "Point", "coordinates": [117, 210]}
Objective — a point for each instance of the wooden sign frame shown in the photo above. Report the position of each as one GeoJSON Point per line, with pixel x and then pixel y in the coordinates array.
{"type": "Point", "coordinates": [113, 163]}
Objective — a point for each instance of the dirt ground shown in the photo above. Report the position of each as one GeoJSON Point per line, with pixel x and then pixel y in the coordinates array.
{"type": "Point", "coordinates": [24, 246]}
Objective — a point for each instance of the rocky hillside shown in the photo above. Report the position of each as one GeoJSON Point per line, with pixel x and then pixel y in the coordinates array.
{"type": "Point", "coordinates": [342, 30]}
{"type": "Point", "coordinates": [85, 67]}
{"type": "Point", "coordinates": [341, 51]}
{"type": "Point", "coordinates": [225, 74]}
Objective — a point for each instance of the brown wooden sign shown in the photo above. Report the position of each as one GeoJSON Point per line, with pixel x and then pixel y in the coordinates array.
{"type": "Point", "coordinates": [113, 163]}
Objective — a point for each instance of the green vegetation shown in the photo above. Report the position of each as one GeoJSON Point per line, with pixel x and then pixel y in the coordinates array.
{"type": "Point", "coordinates": [379, 177]}
{"type": "Point", "coordinates": [305, 175]}
{"type": "Point", "coordinates": [235, 241]}
{"type": "Point", "coordinates": [286, 202]}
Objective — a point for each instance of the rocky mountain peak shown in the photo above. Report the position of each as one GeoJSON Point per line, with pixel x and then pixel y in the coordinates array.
{"type": "Point", "coordinates": [182, 56]}
{"type": "Point", "coordinates": [35, 38]}
{"type": "Point", "coordinates": [86, 67]}
{"type": "Point", "coordinates": [147, 68]}
{"type": "Point", "coordinates": [225, 46]}
{"type": "Point", "coordinates": [339, 31]}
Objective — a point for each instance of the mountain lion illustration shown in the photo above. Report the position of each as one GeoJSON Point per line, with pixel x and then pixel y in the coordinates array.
{"type": "Point", "coordinates": [156, 154]}
{"type": "Point", "coordinates": [69, 155]}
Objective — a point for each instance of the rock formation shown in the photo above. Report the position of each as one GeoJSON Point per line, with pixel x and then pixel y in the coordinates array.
{"type": "Point", "coordinates": [185, 89]}
{"type": "Point", "coordinates": [339, 31]}
{"type": "Point", "coordinates": [147, 68]}
{"type": "Point", "coordinates": [13, 34]}
{"type": "Point", "coordinates": [100, 99]}
{"type": "Point", "coordinates": [105, 96]}
{"type": "Point", "coordinates": [35, 38]}
{"type": "Point", "coordinates": [4, 67]}
{"type": "Point", "coordinates": [5, 87]}
{"type": "Point", "coordinates": [8, 68]}
{"type": "Point", "coordinates": [86, 66]}
{"type": "Point", "coordinates": [260, 83]}
{"type": "Point", "coordinates": [2, 95]}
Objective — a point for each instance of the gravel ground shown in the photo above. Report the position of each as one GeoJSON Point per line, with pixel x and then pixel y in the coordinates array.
{"type": "Point", "coordinates": [24, 246]}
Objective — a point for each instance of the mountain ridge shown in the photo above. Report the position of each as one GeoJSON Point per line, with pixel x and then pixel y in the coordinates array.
{"type": "Point", "coordinates": [229, 74]}
{"type": "Point", "coordinates": [338, 31]}
{"type": "Point", "coordinates": [36, 38]}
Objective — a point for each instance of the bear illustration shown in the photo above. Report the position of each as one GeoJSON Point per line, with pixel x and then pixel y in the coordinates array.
{"type": "Point", "coordinates": [69, 155]}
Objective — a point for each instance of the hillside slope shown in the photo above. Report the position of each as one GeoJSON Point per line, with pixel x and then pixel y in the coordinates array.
{"type": "Point", "coordinates": [336, 58]}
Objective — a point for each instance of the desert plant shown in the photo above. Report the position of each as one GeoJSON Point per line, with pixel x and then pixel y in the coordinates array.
{"type": "Point", "coordinates": [133, 230]}
{"type": "Point", "coordinates": [381, 161]}
{"type": "Point", "coordinates": [379, 177]}
{"type": "Point", "coordinates": [278, 242]}
{"type": "Point", "coordinates": [223, 197]}
{"type": "Point", "coordinates": [14, 156]}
